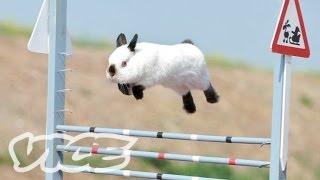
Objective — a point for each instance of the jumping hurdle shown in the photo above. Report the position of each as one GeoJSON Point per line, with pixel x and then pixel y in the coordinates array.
{"type": "Point", "coordinates": [164, 135]}
{"type": "Point", "coordinates": [164, 156]}
{"type": "Point", "coordinates": [53, 15]}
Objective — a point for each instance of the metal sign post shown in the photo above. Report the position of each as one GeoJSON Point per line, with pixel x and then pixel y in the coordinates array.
{"type": "Point", "coordinates": [280, 119]}
{"type": "Point", "coordinates": [289, 39]}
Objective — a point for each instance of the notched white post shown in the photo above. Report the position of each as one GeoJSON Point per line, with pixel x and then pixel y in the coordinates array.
{"type": "Point", "coordinates": [56, 81]}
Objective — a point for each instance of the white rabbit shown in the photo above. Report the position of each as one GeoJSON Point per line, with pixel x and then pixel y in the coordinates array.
{"type": "Point", "coordinates": [181, 67]}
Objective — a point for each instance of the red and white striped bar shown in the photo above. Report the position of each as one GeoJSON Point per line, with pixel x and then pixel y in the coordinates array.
{"type": "Point", "coordinates": [162, 156]}
{"type": "Point", "coordinates": [165, 135]}
{"type": "Point", "coordinates": [141, 174]}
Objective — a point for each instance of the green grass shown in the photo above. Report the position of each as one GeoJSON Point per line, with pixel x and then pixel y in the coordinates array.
{"type": "Point", "coordinates": [314, 73]}
{"type": "Point", "coordinates": [92, 43]}
{"type": "Point", "coordinates": [317, 173]}
{"type": "Point", "coordinates": [93, 161]}
{"type": "Point", "coordinates": [85, 92]}
{"type": "Point", "coordinates": [11, 29]}
{"type": "Point", "coordinates": [256, 174]}
{"type": "Point", "coordinates": [5, 159]}
{"type": "Point", "coordinates": [306, 101]}
{"type": "Point", "coordinates": [205, 170]}
{"type": "Point", "coordinates": [14, 30]}
{"type": "Point", "coordinates": [224, 62]}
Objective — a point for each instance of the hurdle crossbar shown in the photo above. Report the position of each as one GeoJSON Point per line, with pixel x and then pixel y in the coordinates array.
{"type": "Point", "coordinates": [140, 174]}
{"type": "Point", "coordinates": [164, 156]}
{"type": "Point", "coordinates": [165, 135]}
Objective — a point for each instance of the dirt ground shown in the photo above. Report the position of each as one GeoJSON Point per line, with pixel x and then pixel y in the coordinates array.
{"type": "Point", "coordinates": [244, 109]}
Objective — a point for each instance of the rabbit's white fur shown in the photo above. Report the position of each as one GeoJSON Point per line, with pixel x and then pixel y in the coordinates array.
{"type": "Point", "coordinates": [180, 67]}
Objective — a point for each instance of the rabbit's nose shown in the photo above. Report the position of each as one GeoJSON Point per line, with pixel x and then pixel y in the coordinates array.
{"type": "Point", "coordinates": [112, 70]}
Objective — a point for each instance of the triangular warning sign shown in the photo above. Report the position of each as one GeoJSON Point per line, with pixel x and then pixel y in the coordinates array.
{"type": "Point", "coordinates": [290, 36]}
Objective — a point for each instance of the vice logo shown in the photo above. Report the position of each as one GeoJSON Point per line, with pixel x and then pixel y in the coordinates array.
{"type": "Point", "coordinates": [69, 140]}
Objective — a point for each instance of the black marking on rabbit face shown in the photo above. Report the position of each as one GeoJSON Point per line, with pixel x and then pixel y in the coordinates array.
{"type": "Point", "coordinates": [112, 70]}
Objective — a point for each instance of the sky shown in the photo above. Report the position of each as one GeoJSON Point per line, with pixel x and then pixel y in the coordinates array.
{"type": "Point", "coordinates": [240, 30]}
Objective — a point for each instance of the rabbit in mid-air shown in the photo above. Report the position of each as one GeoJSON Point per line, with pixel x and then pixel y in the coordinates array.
{"type": "Point", "coordinates": [181, 67]}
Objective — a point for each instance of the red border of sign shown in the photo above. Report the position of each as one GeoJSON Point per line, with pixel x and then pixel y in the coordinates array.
{"type": "Point", "coordinates": [285, 49]}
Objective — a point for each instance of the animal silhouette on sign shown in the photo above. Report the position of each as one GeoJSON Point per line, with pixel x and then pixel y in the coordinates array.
{"type": "Point", "coordinates": [295, 38]}
{"type": "Point", "coordinates": [136, 67]}
{"type": "Point", "coordinates": [286, 32]}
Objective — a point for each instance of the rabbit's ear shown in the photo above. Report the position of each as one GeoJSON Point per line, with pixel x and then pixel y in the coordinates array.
{"type": "Point", "coordinates": [133, 42]}
{"type": "Point", "coordinates": [121, 40]}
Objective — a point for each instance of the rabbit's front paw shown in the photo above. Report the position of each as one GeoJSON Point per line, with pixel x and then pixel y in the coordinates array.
{"type": "Point", "coordinates": [124, 88]}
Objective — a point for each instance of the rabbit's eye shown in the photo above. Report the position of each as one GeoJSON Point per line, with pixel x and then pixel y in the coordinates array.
{"type": "Point", "coordinates": [124, 64]}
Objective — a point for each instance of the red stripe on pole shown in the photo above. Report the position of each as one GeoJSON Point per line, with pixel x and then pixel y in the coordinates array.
{"type": "Point", "coordinates": [94, 149]}
{"type": "Point", "coordinates": [232, 161]}
{"type": "Point", "coordinates": [161, 155]}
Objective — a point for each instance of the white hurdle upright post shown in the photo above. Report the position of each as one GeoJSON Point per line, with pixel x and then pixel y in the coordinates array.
{"type": "Point", "coordinates": [56, 81]}
{"type": "Point", "coordinates": [280, 119]}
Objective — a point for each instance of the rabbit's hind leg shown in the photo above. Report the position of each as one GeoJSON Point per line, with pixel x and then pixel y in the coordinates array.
{"type": "Point", "coordinates": [211, 95]}
{"type": "Point", "coordinates": [188, 103]}
{"type": "Point", "coordinates": [137, 91]}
